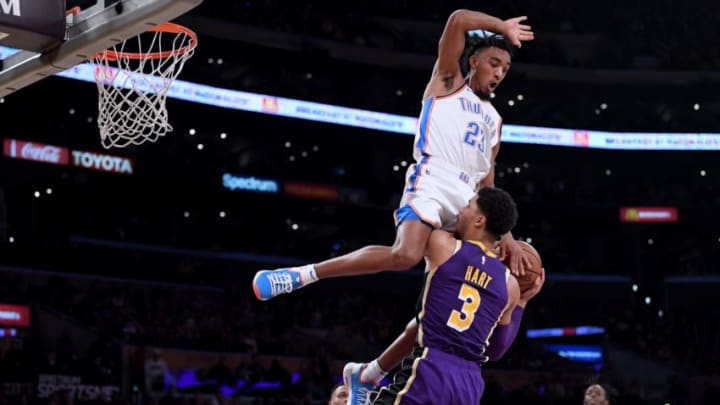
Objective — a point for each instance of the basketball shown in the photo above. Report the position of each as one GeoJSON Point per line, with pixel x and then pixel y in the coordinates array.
{"type": "Point", "coordinates": [536, 270]}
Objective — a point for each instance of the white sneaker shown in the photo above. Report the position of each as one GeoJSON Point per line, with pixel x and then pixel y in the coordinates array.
{"type": "Point", "coordinates": [359, 391]}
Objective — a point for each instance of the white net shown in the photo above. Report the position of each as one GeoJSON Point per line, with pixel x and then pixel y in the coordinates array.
{"type": "Point", "coordinates": [133, 79]}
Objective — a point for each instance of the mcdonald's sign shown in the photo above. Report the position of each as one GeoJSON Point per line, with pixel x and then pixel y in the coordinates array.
{"type": "Point", "coordinates": [270, 104]}
{"type": "Point", "coordinates": [648, 214]}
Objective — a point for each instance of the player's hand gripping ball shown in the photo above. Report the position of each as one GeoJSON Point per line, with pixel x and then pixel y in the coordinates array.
{"type": "Point", "coordinates": [535, 270]}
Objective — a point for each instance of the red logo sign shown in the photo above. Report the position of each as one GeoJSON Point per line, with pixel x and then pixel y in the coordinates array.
{"type": "Point", "coordinates": [38, 152]}
{"type": "Point", "coordinates": [105, 74]}
{"type": "Point", "coordinates": [105, 163]}
{"type": "Point", "coordinates": [270, 104]}
{"type": "Point", "coordinates": [311, 191]}
{"type": "Point", "coordinates": [648, 214]}
{"type": "Point", "coordinates": [14, 315]}
{"type": "Point", "coordinates": [582, 138]}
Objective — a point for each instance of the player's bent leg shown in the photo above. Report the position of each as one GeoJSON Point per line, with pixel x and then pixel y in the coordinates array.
{"type": "Point", "coordinates": [408, 250]}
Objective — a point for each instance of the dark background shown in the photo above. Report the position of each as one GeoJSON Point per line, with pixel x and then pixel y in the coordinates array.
{"type": "Point", "coordinates": [650, 63]}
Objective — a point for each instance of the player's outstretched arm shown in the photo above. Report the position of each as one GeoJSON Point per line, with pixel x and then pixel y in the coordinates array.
{"type": "Point", "coordinates": [447, 75]}
{"type": "Point", "coordinates": [452, 41]}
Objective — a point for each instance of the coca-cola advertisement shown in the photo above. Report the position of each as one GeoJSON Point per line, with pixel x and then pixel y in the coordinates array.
{"type": "Point", "coordinates": [38, 152]}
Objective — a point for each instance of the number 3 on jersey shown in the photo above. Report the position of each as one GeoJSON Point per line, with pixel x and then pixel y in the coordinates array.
{"type": "Point", "coordinates": [461, 320]}
{"type": "Point", "coordinates": [471, 135]}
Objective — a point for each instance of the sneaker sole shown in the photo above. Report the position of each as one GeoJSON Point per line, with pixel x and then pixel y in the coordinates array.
{"type": "Point", "coordinates": [255, 287]}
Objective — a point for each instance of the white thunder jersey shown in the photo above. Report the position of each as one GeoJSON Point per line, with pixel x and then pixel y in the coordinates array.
{"type": "Point", "coordinates": [453, 152]}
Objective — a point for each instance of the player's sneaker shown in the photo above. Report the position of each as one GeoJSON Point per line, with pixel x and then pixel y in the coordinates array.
{"type": "Point", "coordinates": [359, 391]}
{"type": "Point", "coordinates": [271, 283]}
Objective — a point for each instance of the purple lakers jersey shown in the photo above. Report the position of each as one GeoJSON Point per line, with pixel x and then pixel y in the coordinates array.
{"type": "Point", "coordinates": [463, 301]}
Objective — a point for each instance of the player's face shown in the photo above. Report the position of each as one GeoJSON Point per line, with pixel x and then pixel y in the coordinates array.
{"type": "Point", "coordinates": [490, 64]}
{"type": "Point", "coordinates": [595, 395]}
{"type": "Point", "coordinates": [339, 396]}
{"type": "Point", "coordinates": [467, 216]}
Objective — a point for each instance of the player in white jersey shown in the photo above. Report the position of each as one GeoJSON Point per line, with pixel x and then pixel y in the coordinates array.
{"type": "Point", "coordinates": [457, 140]}
{"type": "Point", "coordinates": [455, 143]}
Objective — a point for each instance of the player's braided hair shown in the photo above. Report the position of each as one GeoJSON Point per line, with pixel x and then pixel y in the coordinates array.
{"type": "Point", "coordinates": [499, 209]}
{"type": "Point", "coordinates": [475, 43]}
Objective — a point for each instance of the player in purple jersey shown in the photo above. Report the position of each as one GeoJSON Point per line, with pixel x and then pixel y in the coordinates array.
{"type": "Point", "coordinates": [469, 312]}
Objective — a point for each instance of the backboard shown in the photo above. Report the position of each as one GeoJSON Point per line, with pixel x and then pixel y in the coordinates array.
{"type": "Point", "coordinates": [87, 32]}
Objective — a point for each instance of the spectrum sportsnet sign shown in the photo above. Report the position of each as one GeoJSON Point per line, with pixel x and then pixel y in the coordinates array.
{"type": "Point", "coordinates": [98, 161]}
{"type": "Point", "coordinates": [35, 151]}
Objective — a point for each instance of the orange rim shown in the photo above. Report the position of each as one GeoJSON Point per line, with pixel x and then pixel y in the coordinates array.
{"type": "Point", "coordinates": [73, 11]}
{"type": "Point", "coordinates": [167, 27]}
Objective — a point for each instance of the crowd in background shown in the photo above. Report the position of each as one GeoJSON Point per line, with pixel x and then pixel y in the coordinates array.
{"type": "Point", "coordinates": [165, 238]}
{"type": "Point", "coordinates": [326, 326]}
{"type": "Point", "coordinates": [638, 30]}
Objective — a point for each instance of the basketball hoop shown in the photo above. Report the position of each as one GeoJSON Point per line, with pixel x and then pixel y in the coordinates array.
{"type": "Point", "coordinates": [133, 79]}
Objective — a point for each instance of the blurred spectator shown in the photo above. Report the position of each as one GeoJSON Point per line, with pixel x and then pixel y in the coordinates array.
{"type": "Point", "coordinates": [156, 372]}
{"type": "Point", "coordinates": [338, 395]}
{"type": "Point", "coordinates": [596, 395]}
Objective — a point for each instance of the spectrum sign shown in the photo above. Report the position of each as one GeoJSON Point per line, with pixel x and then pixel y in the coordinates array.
{"type": "Point", "coordinates": [234, 182]}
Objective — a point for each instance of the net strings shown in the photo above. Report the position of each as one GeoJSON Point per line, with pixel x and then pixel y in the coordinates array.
{"type": "Point", "coordinates": [132, 93]}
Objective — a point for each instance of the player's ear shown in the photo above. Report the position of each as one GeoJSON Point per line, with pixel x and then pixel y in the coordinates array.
{"type": "Point", "coordinates": [479, 221]}
{"type": "Point", "coordinates": [473, 61]}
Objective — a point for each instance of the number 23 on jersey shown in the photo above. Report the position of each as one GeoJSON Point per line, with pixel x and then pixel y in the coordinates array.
{"type": "Point", "coordinates": [475, 135]}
